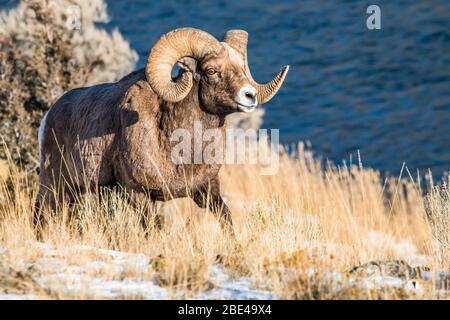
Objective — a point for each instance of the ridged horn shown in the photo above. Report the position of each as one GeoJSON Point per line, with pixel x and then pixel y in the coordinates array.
{"type": "Point", "coordinates": [238, 39]}
{"type": "Point", "coordinates": [174, 45]}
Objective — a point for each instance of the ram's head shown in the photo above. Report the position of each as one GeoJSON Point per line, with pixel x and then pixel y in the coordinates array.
{"type": "Point", "coordinates": [218, 69]}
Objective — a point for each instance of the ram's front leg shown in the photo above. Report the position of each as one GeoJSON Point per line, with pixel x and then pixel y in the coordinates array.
{"type": "Point", "coordinates": [209, 195]}
{"type": "Point", "coordinates": [147, 208]}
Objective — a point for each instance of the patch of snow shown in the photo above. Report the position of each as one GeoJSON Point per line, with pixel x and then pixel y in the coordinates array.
{"type": "Point", "coordinates": [104, 288]}
{"type": "Point", "coordinates": [228, 288]}
{"type": "Point", "coordinates": [106, 277]}
{"type": "Point", "coordinates": [13, 296]}
{"type": "Point", "coordinates": [378, 282]}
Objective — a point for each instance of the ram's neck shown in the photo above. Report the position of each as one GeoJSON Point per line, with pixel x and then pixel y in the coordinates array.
{"type": "Point", "coordinates": [189, 115]}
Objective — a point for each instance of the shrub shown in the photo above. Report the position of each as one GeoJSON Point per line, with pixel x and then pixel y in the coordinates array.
{"type": "Point", "coordinates": [42, 56]}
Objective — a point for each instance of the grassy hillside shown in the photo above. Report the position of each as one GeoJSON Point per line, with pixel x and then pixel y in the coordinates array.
{"type": "Point", "coordinates": [297, 232]}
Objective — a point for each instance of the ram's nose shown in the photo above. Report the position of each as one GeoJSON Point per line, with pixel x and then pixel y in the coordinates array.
{"type": "Point", "coordinates": [246, 97]}
{"type": "Point", "coordinates": [250, 95]}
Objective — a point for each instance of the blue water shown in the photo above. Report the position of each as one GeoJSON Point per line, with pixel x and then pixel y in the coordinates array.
{"type": "Point", "coordinates": [383, 92]}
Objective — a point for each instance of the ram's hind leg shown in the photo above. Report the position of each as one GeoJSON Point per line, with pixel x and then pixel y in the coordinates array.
{"type": "Point", "coordinates": [45, 203]}
{"type": "Point", "coordinates": [51, 199]}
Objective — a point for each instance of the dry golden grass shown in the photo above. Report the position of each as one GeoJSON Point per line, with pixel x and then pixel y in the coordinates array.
{"type": "Point", "coordinates": [301, 219]}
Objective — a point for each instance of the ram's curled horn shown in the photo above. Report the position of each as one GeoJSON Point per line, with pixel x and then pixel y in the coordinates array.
{"type": "Point", "coordinates": [238, 40]}
{"type": "Point", "coordinates": [174, 45]}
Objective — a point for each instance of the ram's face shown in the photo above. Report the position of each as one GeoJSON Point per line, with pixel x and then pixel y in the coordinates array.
{"type": "Point", "coordinates": [223, 83]}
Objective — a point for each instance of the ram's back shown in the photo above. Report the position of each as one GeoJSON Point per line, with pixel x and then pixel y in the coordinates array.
{"type": "Point", "coordinates": [80, 128]}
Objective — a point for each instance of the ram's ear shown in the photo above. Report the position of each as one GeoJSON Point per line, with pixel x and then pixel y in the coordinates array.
{"type": "Point", "coordinates": [188, 64]}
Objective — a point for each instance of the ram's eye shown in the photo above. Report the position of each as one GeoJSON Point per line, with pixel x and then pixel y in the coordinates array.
{"type": "Point", "coordinates": [210, 71]}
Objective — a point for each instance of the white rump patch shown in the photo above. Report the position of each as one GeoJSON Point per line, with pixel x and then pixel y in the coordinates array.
{"type": "Point", "coordinates": [41, 132]}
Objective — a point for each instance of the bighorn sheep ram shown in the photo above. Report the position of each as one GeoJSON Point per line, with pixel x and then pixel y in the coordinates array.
{"type": "Point", "coordinates": [119, 133]}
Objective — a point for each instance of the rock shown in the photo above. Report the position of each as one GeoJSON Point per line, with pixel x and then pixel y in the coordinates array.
{"type": "Point", "coordinates": [391, 268]}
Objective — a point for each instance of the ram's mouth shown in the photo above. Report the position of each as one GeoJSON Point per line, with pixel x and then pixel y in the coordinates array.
{"type": "Point", "coordinates": [246, 108]}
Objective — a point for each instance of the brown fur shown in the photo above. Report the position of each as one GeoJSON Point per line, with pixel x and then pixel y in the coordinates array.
{"type": "Point", "coordinates": [119, 134]}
